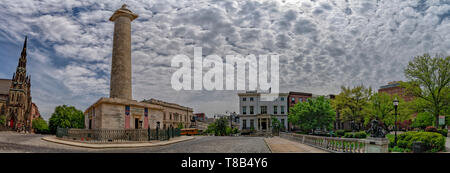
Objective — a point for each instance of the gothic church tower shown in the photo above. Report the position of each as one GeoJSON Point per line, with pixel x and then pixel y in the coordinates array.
{"type": "Point", "coordinates": [19, 102]}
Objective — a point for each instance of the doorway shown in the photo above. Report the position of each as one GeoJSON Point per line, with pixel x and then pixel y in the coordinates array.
{"type": "Point", "coordinates": [264, 125]}
{"type": "Point", "coordinates": [11, 123]}
{"type": "Point", "coordinates": [136, 123]}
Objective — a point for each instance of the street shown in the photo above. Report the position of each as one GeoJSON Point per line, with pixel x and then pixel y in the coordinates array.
{"type": "Point", "coordinates": [11, 142]}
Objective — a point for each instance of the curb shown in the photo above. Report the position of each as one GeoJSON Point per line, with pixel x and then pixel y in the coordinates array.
{"type": "Point", "coordinates": [103, 146]}
{"type": "Point", "coordinates": [268, 146]}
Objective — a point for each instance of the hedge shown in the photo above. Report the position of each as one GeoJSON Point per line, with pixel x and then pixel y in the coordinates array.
{"type": "Point", "coordinates": [433, 141]}
{"type": "Point", "coordinates": [360, 134]}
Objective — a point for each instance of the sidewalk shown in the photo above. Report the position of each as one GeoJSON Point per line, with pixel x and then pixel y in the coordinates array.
{"type": "Point", "coordinates": [447, 144]}
{"type": "Point", "coordinates": [54, 139]}
{"type": "Point", "coordinates": [280, 145]}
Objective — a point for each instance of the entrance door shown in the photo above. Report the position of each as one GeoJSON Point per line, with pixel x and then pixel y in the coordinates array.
{"type": "Point", "coordinates": [11, 123]}
{"type": "Point", "coordinates": [264, 125]}
{"type": "Point", "coordinates": [90, 124]}
{"type": "Point", "coordinates": [136, 123]}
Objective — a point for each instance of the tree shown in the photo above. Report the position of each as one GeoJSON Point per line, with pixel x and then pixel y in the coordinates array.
{"type": "Point", "coordinates": [423, 120]}
{"type": "Point", "coordinates": [180, 125]}
{"type": "Point", "coordinates": [277, 123]}
{"type": "Point", "coordinates": [66, 117]}
{"type": "Point", "coordinates": [219, 127]}
{"type": "Point", "coordinates": [2, 120]}
{"type": "Point", "coordinates": [313, 114]}
{"type": "Point", "coordinates": [429, 80]}
{"type": "Point", "coordinates": [380, 106]}
{"type": "Point", "coordinates": [350, 103]}
{"type": "Point", "coordinates": [40, 126]}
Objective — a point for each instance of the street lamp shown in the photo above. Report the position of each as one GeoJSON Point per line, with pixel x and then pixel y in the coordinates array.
{"type": "Point", "coordinates": [395, 122]}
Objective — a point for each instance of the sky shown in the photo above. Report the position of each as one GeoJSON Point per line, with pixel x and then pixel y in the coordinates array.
{"type": "Point", "coordinates": [322, 44]}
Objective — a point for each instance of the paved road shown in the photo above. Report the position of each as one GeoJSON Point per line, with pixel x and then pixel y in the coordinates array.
{"type": "Point", "coordinates": [32, 143]}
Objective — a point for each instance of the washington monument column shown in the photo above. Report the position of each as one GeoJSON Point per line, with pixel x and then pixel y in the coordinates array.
{"type": "Point", "coordinates": [120, 86]}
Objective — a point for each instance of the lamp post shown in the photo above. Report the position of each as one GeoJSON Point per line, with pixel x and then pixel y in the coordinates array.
{"type": "Point", "coordinates": [395, 122]}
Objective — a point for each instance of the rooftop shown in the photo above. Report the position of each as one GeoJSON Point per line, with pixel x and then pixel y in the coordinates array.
{"type": "Point", "coordinates": [5, 84]}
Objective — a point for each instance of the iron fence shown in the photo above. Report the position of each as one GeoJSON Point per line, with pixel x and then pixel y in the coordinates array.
{"type": "Point", "coordinates": [116, 135]}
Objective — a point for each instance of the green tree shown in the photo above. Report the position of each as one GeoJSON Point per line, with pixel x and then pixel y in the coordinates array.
{"type": "Point", "coordinates": [380, 106]}
{"type": "Point", "coordinates": [277, 123]}
{"type": "Point", "coordinates": [221, 126]}
{"type": "Point", "coordinates": [180, 125]}
{"type": "Point", "coordinates": [2, 120]}
{"type": "Point", "coordinates": [429, 80]}
{"type": "Point", "coordinates": [423, 120]}
{"type": "Point", "coordinates": [351, 102]}
{"type": "Point", "coordinates": [313, 114]}
{"type": "Point", "coordinates": [66, 117]}
{"type": "Point", "coordinates": [40, 126]}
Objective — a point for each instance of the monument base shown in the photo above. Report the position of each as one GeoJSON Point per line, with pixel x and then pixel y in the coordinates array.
{"type": "Point", "coordinates": [376, 145]}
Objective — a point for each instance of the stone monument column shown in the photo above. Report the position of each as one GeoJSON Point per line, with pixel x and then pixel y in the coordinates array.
{"type": "Point", "coordinates": [120, 86]}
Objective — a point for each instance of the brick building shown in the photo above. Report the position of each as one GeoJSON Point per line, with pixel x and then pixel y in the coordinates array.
{"type": "Point", "coordinates": [200, 116]}
{"type": "Point", "coordinates": [393, 88]}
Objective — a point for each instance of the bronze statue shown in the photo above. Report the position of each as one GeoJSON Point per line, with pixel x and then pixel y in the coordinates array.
{"type": "Point", "coordinates": [376, 130]}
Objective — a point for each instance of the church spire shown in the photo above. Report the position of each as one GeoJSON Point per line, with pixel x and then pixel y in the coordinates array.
{"type": "Point", "coordinates": [23, 57]}
{"type": "Point", "coordinates": [24, 49]}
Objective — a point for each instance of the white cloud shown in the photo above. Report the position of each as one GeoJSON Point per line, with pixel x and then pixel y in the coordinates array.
{"type": "Point", "coordinates": [322, 44]}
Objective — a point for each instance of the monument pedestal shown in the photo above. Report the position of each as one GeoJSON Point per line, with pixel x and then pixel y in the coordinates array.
{"type": "Point", "coordinates": [376, 145]}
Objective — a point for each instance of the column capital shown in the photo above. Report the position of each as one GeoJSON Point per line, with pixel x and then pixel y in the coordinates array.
{"type": "Point", "coordinates": [124, 11]}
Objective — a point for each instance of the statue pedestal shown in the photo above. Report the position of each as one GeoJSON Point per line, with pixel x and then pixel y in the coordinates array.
{"type": "Point", "coordinates": [376, 145]}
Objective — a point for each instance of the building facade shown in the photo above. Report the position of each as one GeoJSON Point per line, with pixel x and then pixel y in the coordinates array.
{"type": "Point", "coordinates": [394, 88]}
{"type": "Point", "coordinates": [200, 116]}
{"type": "Point", "coordinates": [174, 115]}
{"type": "Point", "coordinates": [5, 84]}
{"type": "Point", "coordinates": [18, 104]}
{"type": "Point", "coordinates": [256, 113]}
{"type": "Point", "coordinates": [296, 97]}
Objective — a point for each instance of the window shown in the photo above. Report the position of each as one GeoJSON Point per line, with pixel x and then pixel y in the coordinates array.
{"type": "Point", "coordinates": [275, 111]}
{"type": "Point", "coordinates": [282, 98]}
{"type": "Point", "coordinates": [293, 100]}
{"type": "Point", "coordinates": [282, 122]}
{"type": "Point", "coordinates": [244, 110]}
{"type": "Point", "coordinates": [263, 109]}
{"type": "Point", "coordinates": [252, 123]}
{"type": "Point", "coordinates": [244, 124]}
{"type": "Point", "coordinates": [251, 99]}
{"type": "Point", "coordinates": [282, 110]}
{"type": "Point", "coordinates": [300, 99]}
{"type": "Point", "coordinates": [251, 110]}
{"type": "Point", "coordinates": [244, 99]}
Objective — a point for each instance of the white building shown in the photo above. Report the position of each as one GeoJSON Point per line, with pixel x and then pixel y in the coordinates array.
{"type": "Point", "coordinates": [256, 113]}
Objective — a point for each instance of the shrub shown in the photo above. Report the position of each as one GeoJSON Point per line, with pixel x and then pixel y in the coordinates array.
{"type": "Point", "coordinates": [431, 129]}
{"type": "Point", "coordinates": [423, 120]}
{"type": "Point", "coordinates": [340, 133]}
{"type": "Point", "coordinates": [228, 131]}
{"type": "Point", "coordinates": [2, 120]}
{"type": "Point", "coordinates": [443, 132]}
{"type": "Point", "coordinates": [235, 130]}
{"type": "Point", "coordinates": [40, 126]}
{"type": "Point", "coordinates": [361, 134]}
{"type": "Point", "coordinates": [433, 141]}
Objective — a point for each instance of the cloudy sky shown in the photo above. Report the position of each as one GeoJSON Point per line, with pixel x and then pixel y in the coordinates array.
{"type": "Point", "coordinates": [322, 44]}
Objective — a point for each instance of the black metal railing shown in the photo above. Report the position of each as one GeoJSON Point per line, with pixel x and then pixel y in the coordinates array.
{"type": "Point", "coordinates": [116, 135]}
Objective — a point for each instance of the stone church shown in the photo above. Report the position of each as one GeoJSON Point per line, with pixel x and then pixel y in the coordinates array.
{"type": "Point", "coordinates": [15, 97]}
